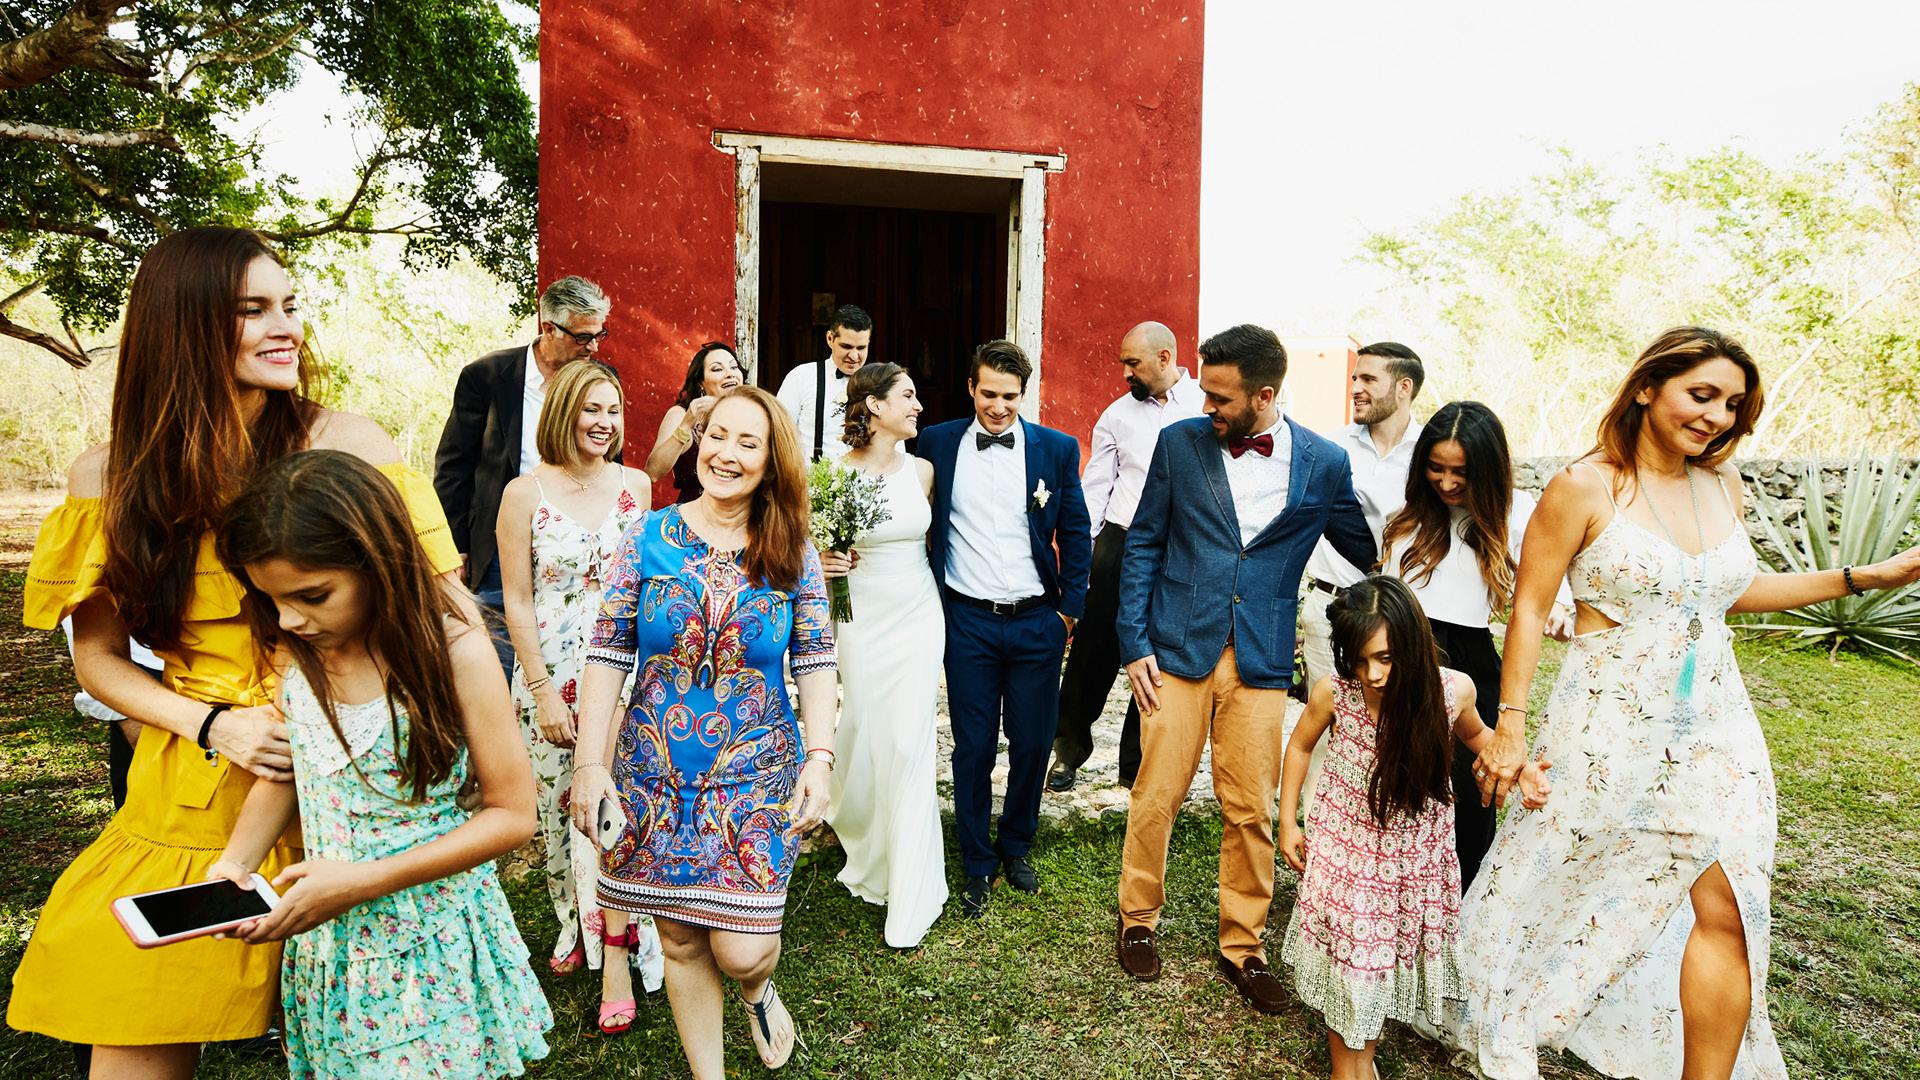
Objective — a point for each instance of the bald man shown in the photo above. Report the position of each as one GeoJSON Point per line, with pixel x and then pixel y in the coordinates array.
{"type": "Point", "coordinates": [1159, 392]}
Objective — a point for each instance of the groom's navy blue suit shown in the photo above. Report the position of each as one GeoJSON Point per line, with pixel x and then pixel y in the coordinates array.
{"type": "Point", "coordinates": [1003, 668]}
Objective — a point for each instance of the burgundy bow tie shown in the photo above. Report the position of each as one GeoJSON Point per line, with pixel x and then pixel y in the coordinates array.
{"type": "Point", "coordinates": [1259, 444]}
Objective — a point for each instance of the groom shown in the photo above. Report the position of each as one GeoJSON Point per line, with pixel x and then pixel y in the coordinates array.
{"type": "Point", "coordinates": [1233, 504]}
{"type": "Point", "coordinates": [1011, 549]}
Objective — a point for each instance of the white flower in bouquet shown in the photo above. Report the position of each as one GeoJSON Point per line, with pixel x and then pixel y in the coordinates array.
{"type": "Point", "coordinates": [846, 505]}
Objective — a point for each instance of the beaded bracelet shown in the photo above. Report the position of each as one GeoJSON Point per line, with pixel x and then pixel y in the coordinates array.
{"type": "Point", "coordinates": [538, 683]}
{"type": "Point", "coordinates": [1846, 572]}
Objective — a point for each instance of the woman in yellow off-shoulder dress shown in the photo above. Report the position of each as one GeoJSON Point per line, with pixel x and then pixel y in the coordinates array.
{"type": "Point", "coordinates": [213, 383]}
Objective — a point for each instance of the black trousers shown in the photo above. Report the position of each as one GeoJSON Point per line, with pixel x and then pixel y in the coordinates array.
{"type": "Point", "coordinates": [1092, 663]}
{"type": "Point", "coordinates": [1469, 650]}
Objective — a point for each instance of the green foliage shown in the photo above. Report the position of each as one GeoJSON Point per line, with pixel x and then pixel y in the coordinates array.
{"type": "Point", "coordinates": [452, 170]}
{"type": "Point", "coordinates": [1814, 265]}
{"type": "Point", "coordinates": [1876, 520]}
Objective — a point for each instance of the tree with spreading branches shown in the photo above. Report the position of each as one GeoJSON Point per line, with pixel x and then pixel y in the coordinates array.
{"type": "Point", "coordinates": [117, 126]}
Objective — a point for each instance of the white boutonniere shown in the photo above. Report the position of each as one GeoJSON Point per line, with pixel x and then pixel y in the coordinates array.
{"type": "Point", "coordinates": [1040, 497]}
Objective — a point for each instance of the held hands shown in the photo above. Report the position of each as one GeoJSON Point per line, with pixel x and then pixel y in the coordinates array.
{"type": "Point", "coordinates": [254, 738]}
{"type": "Point", "coordinates": [1498, 766]}
{"type": "Point", "coordinates": [809, 802]}
{"type": "Point", "coordinates": [835, 564]}
{"type": "Point", "coordinates": [1143, 675]}
{"type": "Point", "coordinates": [1534, 787]}
{"type": "Point", "coordinates": [553, 717]}
{"type": "Point", "coordinates": [1293, 844]}
{"type": "Point", "coordinates": [310, 893]}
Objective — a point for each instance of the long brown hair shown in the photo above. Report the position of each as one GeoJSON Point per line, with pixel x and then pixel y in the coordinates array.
{"type": "Point", "coordinates": [1413, 751]}
{"type": "Point", "coordinates": [178, 446]}
{"type": "Point", "coordinates": [328, 510]}
{"type": "Point", "coordinates": [1674, 353]}
{"type": "Point", "coordinates": [778, 520]}
{"type": "Point", "coordinates": [1426, 523]}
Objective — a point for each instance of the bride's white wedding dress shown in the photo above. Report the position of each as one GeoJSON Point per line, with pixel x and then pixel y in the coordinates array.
{"type": "Point", "coordinates": [884, 806]}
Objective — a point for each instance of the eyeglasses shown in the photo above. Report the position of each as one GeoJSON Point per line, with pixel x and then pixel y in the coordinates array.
{"type": "Point", "coordinates": [582, 339]}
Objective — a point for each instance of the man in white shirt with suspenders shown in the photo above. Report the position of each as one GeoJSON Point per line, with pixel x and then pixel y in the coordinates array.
{"type": "Point", "coordinates": [815, 394]}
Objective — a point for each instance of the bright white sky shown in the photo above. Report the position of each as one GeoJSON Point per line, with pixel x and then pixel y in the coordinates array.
{"type": "Point", "coordinates": [1326, 121]}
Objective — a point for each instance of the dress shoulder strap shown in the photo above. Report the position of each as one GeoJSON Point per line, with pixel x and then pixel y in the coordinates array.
{"type": "Point", "coordinates": [538, 486]}
{"type": "Point", "coordinates": [1604, 482]}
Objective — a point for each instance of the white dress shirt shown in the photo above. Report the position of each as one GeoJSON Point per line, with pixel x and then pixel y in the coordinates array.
{"type": "Point", "coordinates": [1259, 483]}
{"type": "Point", "coordinates": [1456, 592]}
{"type": "Point", "coordinates": [533, 396]}
{"type": "Point", "coordinates": [1381, 483]}
{"type": "Point", "coordinates": [797, 394]}
{"type": "Point", "coordinates": [1123, 442]}
{"type": "Point", "coordinates": [989, 549]}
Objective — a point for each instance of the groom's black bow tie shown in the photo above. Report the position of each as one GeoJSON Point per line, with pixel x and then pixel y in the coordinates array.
{"type": "Point", "coordinates": [837, 373]}
{"type": "Point", "coordinates": [982, 440]}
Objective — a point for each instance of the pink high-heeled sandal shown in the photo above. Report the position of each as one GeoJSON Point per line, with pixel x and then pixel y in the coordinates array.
{"type": "Point", "coordinates": [617, 1016]}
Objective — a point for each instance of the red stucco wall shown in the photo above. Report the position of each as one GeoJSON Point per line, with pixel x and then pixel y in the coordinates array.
{"type": "Point", "coordinates": [634, 195]}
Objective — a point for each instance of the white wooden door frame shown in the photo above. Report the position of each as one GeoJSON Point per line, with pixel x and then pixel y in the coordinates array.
{"type": "Point", "coordinates": [1027, 217]}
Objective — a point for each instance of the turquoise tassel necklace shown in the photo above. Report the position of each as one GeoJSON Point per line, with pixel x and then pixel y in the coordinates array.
{"type": "Point", "coordinates": [1690, 594]}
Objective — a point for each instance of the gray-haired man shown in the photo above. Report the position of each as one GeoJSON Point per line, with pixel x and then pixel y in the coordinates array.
{"type": "Point", "coordinates": [488, 439]}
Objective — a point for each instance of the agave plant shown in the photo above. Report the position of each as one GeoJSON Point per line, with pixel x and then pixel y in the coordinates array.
{"type": "Point", "coordinates": [1876, 520]}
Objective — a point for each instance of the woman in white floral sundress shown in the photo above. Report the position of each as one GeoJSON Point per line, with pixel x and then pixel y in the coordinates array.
{"type": "Point", "coordinates": [559, 528]}
{"type": "Point", "coordinates": [1630, 921]}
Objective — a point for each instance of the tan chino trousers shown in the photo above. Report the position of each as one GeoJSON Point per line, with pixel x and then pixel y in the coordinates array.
{"type": "Point", "coordinates": [1244, 723]}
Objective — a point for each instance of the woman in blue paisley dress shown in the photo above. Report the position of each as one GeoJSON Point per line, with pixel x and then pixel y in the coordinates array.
{"type": "Point", "coordinates": [706, 603]}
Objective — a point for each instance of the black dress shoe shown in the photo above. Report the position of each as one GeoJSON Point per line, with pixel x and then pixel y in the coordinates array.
{"type": "Point", "coordinates": [973, 900]}
{"type": "Point", "coordinates": [1061, 778]}
{"type": "Point", "coordinates": [1020, 875]}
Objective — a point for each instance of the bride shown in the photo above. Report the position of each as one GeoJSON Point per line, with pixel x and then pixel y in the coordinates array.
{"type": "Point", "coordinates": [883, 804]}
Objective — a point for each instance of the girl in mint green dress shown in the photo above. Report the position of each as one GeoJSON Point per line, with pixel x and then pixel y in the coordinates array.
{"type": "Point", "coordinates": [402, 957]}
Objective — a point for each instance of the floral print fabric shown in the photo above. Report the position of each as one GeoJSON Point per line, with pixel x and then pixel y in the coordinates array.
{"type": "Point", "coordinates": [1376, 927]}
{"type": "Point", "coordinates": [570, 567]}
{"type": "Point", "coordinates": [708, 754]}
{"type": "Point", "coordinates": [1575, 926]}
{"type": "Point", "coordinates": [430, 981]}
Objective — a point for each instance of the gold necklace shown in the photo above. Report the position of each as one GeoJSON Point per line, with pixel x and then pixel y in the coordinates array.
{"type": "Point", "coordinates": [583, 485]}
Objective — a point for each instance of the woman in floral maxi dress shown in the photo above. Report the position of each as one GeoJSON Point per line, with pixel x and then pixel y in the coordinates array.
{"type": "Point", "coordinates": [1630, 922]}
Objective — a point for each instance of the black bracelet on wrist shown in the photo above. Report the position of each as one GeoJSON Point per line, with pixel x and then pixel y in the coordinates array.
{"type": "Point", "coordinates": [1846, 572]}
{"type": "Point", "coordinates": [206, 728]}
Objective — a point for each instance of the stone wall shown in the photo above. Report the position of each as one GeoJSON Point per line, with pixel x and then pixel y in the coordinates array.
{"type": "Point", "coordinates": [1778, 479]}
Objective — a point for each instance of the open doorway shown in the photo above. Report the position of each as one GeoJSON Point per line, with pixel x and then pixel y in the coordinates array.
{"type": "Point", "coordinates": [944, 246]}
{"type": "Point", "coordinates": [925, 254]}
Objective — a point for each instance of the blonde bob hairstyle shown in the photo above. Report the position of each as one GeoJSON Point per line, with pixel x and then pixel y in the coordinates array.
{"type": "Point", "coordinates": [566, 396]}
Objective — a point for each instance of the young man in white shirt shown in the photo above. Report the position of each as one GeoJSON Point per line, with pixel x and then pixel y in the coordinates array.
{"type": "Point", "coordinates": [815, 394]}
{"type": "Point", "coordinates": [1159, 392]}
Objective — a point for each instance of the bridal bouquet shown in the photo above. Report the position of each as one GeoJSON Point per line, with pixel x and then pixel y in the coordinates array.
{"type": "Point", "coordinates": [846, 505]}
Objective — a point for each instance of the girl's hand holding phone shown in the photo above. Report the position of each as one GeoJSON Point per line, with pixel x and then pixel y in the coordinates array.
{"type": "Point", "coordinates": [1293, 846]}
{"type": "Point", "coordinates": [310, 893]}
{"type": "Point", "coordinates": [591, 783]}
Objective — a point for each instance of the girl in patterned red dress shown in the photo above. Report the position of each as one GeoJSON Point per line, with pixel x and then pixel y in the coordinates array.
{"type": "Point", "coordinates": [1377, 918]}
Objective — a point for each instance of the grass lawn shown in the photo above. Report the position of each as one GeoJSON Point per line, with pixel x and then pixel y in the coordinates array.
{"type": "Point", "coordinates": [1033, 990]}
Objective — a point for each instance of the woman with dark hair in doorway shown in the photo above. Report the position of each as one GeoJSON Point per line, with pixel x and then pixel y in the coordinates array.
{"type": "Point", "coordinates": [1630, 922]}
{"type": "Point", "coordinates": [1456, 543]}
{"type": "Point", "coordinates": [215, 383]}
{"type": "Point", "coordinates": [713, 371]}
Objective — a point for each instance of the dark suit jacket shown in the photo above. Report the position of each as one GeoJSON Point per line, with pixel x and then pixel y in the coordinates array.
{"type": "Point", "coordinates": [480, 452]}
{"type": "Point", "coordinates": [1062, 544]}
{"type": "Point", "coordinates": [1185, 579]}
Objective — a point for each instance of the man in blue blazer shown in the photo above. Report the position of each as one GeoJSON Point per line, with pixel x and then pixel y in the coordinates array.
{"type": "Point", "coordinates": [1011, 548]}
{"type": "Point", "coordinates": [1233, 505]}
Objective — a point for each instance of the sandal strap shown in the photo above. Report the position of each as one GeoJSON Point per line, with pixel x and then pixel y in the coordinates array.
{"type": "Point", "coordinates": [759, 1009]}
{"type": "Point", "coordinates": [626, 939]}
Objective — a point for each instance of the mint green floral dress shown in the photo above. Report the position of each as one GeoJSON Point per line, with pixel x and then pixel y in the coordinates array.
{"type": "Point", "coordinates": [430, 981]}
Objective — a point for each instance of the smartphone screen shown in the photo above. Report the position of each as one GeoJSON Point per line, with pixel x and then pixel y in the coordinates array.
{"type": "Point", "coordinates": [178, 911]}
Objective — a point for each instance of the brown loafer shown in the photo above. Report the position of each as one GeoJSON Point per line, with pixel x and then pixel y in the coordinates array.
{"type": "Point", "coordinates": [1138, 956]}
{"type": "Point", "coordinates": [1259, 986]}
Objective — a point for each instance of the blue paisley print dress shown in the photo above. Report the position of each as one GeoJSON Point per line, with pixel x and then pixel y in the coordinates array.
{"type": "Point", "coordinates": [709, 750]}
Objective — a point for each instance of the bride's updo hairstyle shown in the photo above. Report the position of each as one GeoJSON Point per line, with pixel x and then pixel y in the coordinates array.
{"type": "Point", "coordinates": [871, 381]}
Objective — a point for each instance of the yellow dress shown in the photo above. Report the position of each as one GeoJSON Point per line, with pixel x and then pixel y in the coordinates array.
{"type": "Point", "coordinates": [82, 979]}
